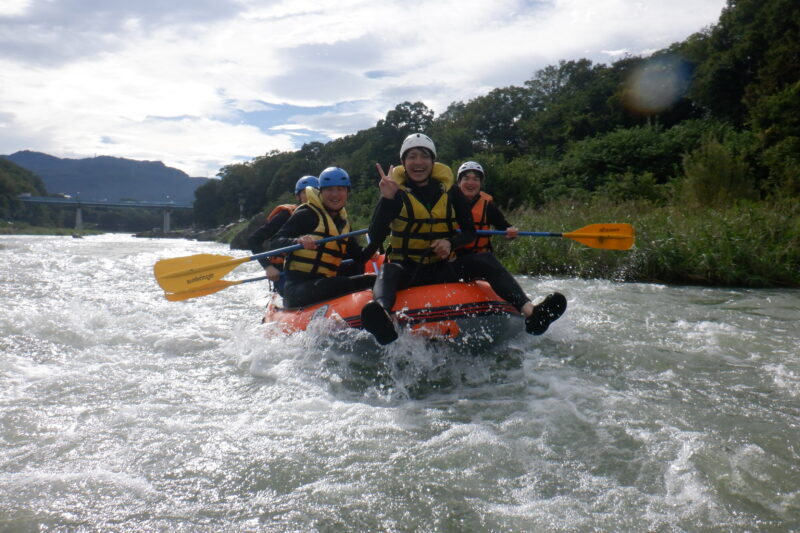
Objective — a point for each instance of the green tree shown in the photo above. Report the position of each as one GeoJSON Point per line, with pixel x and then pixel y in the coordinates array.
{"type": "Point", "coordinates": [752, 52]}
{"type": "Point", "coordinates": [495, 119]}
{"type": "Point", "coordinates": [776, 121]}
{"type": "Point", "coordinates": [453, 133]}
{"type": "Point", "coordinates": [14, 181]}
{"type": "Point", "coordinates": [570, 102]}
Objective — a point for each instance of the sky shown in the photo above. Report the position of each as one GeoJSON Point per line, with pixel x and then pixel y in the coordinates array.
{"type": "Point", "coordinates": [199, 84]}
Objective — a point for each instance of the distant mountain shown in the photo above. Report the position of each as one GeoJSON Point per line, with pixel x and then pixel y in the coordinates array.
{"type": "Point", "coordinates": [110, 178]}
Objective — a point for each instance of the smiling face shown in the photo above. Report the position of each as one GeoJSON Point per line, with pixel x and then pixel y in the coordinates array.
{"type": "Point", "coordinates": [418, 163]}
{"type": "Point", "coordinates": [334, 198]}
{"type": "Point", "coordinates": [470, 184]}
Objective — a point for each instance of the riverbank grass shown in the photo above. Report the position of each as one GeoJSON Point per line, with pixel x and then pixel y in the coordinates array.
{"type": "Point", "coordinates": [748, 244]}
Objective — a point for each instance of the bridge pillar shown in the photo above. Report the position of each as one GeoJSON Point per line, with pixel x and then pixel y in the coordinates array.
{"type": "Point", "coordinates": [166, 220]}
{"type": "Point", "coordinates": [78, 219]}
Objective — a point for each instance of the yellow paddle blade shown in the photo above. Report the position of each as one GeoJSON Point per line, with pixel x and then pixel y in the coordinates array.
{"type": "Point", "coordinates": [205, 290]}
{"type": "Point", "coordinates": [605, 236]}
{"type": "Point", "coordinates": [181, 274]}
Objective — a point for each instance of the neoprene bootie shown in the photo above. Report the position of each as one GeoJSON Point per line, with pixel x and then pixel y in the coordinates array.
{"type": "Point", "coordinates": [546, 313]}
{"type": "Point", "coordinates": [377, 320]}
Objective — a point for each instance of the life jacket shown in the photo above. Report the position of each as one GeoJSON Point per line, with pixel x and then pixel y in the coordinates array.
{"type": "Point", "coordinates": [327, 257]}
{"type": "Point", "coordinates": [277, 260]}
{"type": "Point", "coordinates": [413, 230]}
{"type": "Point", "coordinates": [283, 207]}
{"type": "Point", "coordinates": [479, 216]}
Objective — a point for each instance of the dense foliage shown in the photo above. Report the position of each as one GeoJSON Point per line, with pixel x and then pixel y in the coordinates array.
{"type": "Point", "coordinates": [15, 180]}
{"type": "Point", "coordinates": [746, 244]}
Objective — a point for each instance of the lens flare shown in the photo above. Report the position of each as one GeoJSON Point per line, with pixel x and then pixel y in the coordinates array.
{"type": "Point", "coordinates": [656, 85]}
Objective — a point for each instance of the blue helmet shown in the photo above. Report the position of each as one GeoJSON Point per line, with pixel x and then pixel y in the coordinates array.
{"type": "Point", "coordinates": [333, 177]}
{"type": "Point", "coordinates": [306, 181]}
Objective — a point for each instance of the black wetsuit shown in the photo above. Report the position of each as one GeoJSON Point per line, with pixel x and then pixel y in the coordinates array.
{"type": "Point", "coordinates": [408, 273]}
{"type": "Point", "coordinates": [259, 237]}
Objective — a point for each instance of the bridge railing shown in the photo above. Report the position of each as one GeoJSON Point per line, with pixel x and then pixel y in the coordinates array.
{"type": "Point", "coordinates": [77, 203]}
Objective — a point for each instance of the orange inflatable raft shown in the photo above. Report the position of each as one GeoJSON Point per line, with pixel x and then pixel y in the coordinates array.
{"type": "Point", "coordinates": [461, 312]}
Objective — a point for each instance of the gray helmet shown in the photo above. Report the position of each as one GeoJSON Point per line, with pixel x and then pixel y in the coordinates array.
{"type": "Point", "coordinates": [470, 165]}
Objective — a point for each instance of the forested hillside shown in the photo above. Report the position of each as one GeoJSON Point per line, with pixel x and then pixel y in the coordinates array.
{"type": "Point", "coordinates": [15, 180]}
{"type": "Point", "coordinates": [109, 178]}
{"type": "Point", "coordinates": [710, 123]}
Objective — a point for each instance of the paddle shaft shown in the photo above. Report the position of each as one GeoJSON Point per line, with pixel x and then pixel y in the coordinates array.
{"type": "Point", "coordinates": [550, 234]}
{"type": "Point", "coordinates": [248, 280]}
{"type": "Point", "coordinates": [292, 248]}
{"type": "Point", "coordinates": [609, 236]}
{"type": "Point", "coordinates": [262, 255]}
{"type": "Point", "coordinates": [521, 233]}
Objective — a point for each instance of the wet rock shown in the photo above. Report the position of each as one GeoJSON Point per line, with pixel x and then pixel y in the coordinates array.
{"type": "Point", "coordinates": [239, 241]}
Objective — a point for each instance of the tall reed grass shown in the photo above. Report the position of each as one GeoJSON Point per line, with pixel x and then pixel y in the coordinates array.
{"type": "Point", "coordinates": [748, 244]}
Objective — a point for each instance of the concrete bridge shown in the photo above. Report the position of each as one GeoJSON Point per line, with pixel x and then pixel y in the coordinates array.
{"type": "Point", "coordinates": [77, 203]}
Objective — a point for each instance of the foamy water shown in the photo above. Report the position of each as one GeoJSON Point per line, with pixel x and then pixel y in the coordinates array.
{"type": "Point", "coordinates": [645, 408]}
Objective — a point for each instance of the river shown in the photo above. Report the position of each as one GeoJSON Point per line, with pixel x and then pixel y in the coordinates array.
{"type": "Point", "coordinates": [645, 408]}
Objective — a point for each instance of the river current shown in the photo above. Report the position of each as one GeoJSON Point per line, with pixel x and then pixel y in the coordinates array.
{"type": "Point", "coordinates": [645, 408]}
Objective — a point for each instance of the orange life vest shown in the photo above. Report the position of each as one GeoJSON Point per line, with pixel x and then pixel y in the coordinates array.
{"type": "Point", "coordinates": [479, 216]}
{"type": "Point", "coordinates": [277, 260]}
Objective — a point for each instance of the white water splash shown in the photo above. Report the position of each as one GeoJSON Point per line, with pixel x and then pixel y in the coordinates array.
{"type": "Point", "coordinates": [645, 408]}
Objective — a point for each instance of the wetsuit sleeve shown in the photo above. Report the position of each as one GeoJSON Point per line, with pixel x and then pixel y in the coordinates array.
{"type": "Point", "coordinates": [358, 256]}
{"type": "Point", "coordinates": [256, 240]}
{"type": "Point", "coordinates": [464, 219]}
{"type": "Point", "coordinates": [495, 217]}
{"type": "Point", "coordinates": [386, 211]}
{"type": "Point", "coordinates": [354, 249]}
{"type": "Point", "coordinates": [302, 222]}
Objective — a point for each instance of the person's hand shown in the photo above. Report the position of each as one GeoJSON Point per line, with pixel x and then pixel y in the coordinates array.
{"type": "Point", "coordinates": [388, 186]}
{"type": "Point", "coordinates": [307, 242]}
{"type": "Point", "coordinates": [442, 248]}
{"type": "Point", "coordinates": [511, 232]}
{"type": "Point", "coordinates": [273, 274]}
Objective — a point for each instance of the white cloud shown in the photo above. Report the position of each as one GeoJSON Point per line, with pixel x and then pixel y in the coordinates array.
{"type": "Point", "coordinates": [174, 81]}
{"type": "Point", "coordinates": [14, 8]}
{"type": "Point", "coordinates": [198, 146]}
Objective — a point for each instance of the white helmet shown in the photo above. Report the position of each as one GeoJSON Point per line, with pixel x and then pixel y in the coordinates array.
{"type": "Point", "coordinates": [417, 140]}
{"type": "Point", "coordinates": [470, 165]}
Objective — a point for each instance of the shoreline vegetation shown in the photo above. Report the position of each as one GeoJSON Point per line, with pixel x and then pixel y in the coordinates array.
{"type": "Point", "coordinates": [749, 244]}
{"type": "Point", "coordinates": [22, 228]}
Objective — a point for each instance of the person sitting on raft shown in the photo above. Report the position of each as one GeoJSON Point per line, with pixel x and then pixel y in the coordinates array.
{"type": "Point", "coordinates": [313, 273]}
{"type": "Point", "coordinates": [422, 211]}
{"type": "Point", "coordinates": [273, 266]}
{"type": "Point", "coordinates": [485, 214]}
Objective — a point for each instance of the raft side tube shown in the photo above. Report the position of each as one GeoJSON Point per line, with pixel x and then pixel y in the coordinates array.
{"type": "Point", "coordinates": [448, 309]}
